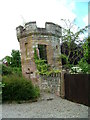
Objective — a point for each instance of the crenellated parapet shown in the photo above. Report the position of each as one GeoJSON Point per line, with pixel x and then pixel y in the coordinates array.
{"type": "Point", "coordinates": [31, 28]}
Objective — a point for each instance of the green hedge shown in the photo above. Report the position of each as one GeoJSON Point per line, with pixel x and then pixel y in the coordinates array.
{"type": "Point", "coordinates": [18, 88]}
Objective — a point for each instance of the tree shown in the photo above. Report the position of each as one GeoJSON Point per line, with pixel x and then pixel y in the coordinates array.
{"type": "Point", "coordinates": [71, 44]}
{"type": "Point", "coordinates": [75, 55]}
{"type": "Point", "coordinates": [6, 70]}
{"type": "Point", "coordinates": [15, 59]}
{"type": "Point", "coordinates": [84, 62]}
{"type": "Point", "coordinates": [7, 60]}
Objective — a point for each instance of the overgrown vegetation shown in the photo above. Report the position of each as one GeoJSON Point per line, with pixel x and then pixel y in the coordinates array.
{"type": "Point", "coordinates": [42, 66]}
{"type": "Point", "coordinates": [6, 70]}
{"type": "Point", "coordinates": [84, 62]}
{"type": "Point", "coordinates": [12, 64]}
{"type": "Point", "coordinates": [74, 51]}
{"type": "Point", "coordinates": [14, 60]}
{"type": "Point", "coordinates": [18, 88]}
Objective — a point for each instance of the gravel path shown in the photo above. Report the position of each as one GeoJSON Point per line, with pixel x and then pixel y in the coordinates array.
{"type": "Point", "coordinates": [49, 106]}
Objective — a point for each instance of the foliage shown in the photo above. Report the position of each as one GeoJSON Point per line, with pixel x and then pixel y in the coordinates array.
{"type": "Point", "coordinates": [6, 70]}
{"type": "Point", "coordinates": [7, 59]}
{"type": "Point", "coordinates": [18, 88]}
{"type": "Point", "coordinates": [14, 60]}
{"type": "Point", "coordinates": [17, 70]}
{"type": "Point", "coordinates": [35, 54]}
{"type": "Point", "coordinates": [42, 67]}
{"type": "Point", "coordinates": [12, 64]}
{"type": "Point", "coordinates": [84, 66]}
{"type": "Point", "coordinates": [71, 51]}
{"type": "Point", "coordinates": [75, 70]}
{"type": "Point", "coordinates": [52, 71]}
{"type": "Point", "coordinates": [86, 48]}
{"type": "Point", "coordinates": [76, 53]}
{"type": "Point", "coordinates": [84, 62]}
{"type": "Point", "coordinates": [1, 85]}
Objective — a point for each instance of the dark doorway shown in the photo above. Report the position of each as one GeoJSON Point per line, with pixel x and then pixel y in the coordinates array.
{"type": "Point", "coordinates": [42, 52]}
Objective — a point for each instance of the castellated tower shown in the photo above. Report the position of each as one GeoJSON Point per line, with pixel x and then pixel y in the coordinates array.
{"type": "Point", "coordinates": [48, 38]}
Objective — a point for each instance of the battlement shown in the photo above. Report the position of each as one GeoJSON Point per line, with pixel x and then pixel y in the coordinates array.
{"type": "Point", "coordinates": [31, 28]}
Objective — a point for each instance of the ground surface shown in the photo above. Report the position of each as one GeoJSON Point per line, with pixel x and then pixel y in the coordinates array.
{"type": "Point", "coordinates": [49, 106]}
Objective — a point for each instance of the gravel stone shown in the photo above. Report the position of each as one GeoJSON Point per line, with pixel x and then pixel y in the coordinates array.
{"type": "Point", "coordinates": [43, 108]}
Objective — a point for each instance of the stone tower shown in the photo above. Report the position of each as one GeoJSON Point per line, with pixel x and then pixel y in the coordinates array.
{"type": "Point", "coordinates": [30, 37]}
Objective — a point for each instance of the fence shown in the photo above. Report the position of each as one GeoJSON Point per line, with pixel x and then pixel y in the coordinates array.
{"type": "Point", "coordinates": [77, 88]}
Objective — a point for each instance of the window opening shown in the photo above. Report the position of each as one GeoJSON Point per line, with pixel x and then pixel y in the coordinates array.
{"type": "Point", "coordinates": [42, 52]}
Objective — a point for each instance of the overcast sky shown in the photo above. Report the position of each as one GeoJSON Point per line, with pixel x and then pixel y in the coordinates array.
{"type": "Point", "coordinates": [17, 12]}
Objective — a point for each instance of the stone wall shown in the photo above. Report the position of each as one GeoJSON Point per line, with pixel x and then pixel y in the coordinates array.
{"type": "Point", "coordinates": [51, 83]}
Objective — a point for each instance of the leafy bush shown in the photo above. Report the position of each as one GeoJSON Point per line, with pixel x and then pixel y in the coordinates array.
{"type": "Point", "coordinates": [84, 62]}
{"type": "Point", "coordinates": [6, 70]}
{"type": "Point", "coordinates": [18, 88]}
{"type": "Point", "coordinates": [17, 70]}
{"type": "Point", "coordinates": [84, 66]}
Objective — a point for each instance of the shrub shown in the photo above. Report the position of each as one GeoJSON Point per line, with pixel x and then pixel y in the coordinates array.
{"type": "Point", "coordinates": [18, 88]}
{"type": "Point", "coordinates": [17, 70]}
{"type": "Point", "coordinates": [84, 66]}
{"type": "Point", "coordinates": [6, 70]}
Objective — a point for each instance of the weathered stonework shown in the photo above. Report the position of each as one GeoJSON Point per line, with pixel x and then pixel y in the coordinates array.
{"type": "Point", "coordinates": [51, 83]}
{"type": "Point", "coordinates": [29, 37]}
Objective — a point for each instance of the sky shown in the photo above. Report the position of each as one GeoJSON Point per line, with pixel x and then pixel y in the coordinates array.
{"type": "Point", "coordinates": [17, 12]}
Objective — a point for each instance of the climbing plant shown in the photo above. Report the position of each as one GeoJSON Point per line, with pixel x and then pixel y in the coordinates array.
{"type": "Point", "coordinates": [42, 67]}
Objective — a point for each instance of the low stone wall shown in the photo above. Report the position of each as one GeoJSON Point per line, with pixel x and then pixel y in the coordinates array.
{"type": "Point", "coordinates": [51, 83]}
